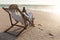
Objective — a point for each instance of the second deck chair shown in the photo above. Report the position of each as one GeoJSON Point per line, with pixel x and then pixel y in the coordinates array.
{"type": "Point", "coordinates": [18, 18]}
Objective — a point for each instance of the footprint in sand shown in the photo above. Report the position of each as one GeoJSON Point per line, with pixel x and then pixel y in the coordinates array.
{"type": "Point", "coordinates": [51, 35]}
{"type": "Point", "coordinates": [39, 24]}
{"type": "Point", "coordinates": [40, 29]}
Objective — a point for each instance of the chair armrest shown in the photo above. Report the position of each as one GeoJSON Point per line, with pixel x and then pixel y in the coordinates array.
{"type": "Point", "coordinates": [6, 9]}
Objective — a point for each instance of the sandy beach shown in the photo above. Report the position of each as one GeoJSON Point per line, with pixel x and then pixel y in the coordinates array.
{"type": "Point", "coordinates": [47, 27]}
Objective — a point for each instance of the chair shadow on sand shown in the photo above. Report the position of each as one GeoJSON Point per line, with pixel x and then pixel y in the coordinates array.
{"type": "Point", "coordinates": [6, 36]}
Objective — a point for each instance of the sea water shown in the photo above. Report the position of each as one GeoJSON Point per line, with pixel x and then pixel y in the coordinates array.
{"type": "Point", "coordinates": [29, 6]}
{"type": "Point", "coordinates": [46, 8]}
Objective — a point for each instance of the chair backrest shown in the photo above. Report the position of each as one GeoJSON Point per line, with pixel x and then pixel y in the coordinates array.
{"type": "Point", "coordinates": [15, 14]}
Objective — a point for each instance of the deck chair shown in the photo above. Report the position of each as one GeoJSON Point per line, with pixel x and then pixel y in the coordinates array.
{"type": "Point", "coordinates": [21, 18]}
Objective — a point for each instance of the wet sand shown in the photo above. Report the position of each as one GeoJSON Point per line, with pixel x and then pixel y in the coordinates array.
{"type": "Point", "coordinates": [47, 27]}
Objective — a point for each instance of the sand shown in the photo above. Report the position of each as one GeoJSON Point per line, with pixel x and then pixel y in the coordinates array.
{"type": "Point", "coordinates": [47, 27]}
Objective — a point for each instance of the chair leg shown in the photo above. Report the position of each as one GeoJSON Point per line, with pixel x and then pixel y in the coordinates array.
{"type": "Point", "coordinates": [17, 34]}
{"type": "Point", "coordinates": [20, 32]}
{"type": "Point", "coordinates": [32, 24]}
{"type": "Point", "coordinates": [13, 34]}
{"type": "Point", "coordinates": [10, 27]}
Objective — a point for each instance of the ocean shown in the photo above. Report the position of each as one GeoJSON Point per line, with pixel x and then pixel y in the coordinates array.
{"type": "Point", "coordinates": [46, 8]}
{"type": "Point", "coordinates": [28, 6]}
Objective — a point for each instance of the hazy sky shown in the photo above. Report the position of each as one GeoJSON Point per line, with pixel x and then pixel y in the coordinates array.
{"type": "Point", "coordinates": [36, 2]}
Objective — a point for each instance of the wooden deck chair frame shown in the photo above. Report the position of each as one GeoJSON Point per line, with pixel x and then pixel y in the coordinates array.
{"type": "Point", "coordinates": [24, 27]}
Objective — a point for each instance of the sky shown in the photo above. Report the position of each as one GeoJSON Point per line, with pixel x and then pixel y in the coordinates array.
{"type": "Point", "coordinates": [56, 3]}
{"type": "Point", "coordinates": [31, 2]}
